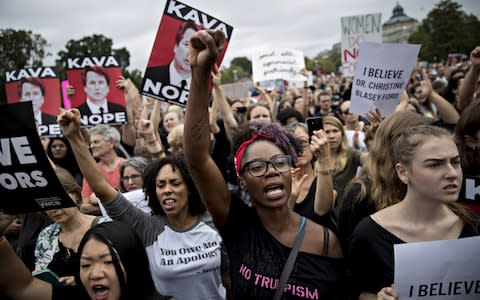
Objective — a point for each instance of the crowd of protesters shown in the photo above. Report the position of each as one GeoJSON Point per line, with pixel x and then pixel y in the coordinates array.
{"type": "Point", "coordinates": [207, 202]}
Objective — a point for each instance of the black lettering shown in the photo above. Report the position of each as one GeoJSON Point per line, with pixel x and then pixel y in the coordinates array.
{"type": "Point", "coordinates": [433, 289]}
{"type": "Point", "coordinates": [422, 290]}
{"type": "Point", "coordinates": [441, 289]}
{"type": "Point", "coordinates": [457, 287]}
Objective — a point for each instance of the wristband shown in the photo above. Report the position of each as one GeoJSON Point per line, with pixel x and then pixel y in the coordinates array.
{"type": "Point", "coordinates": [323, 172]}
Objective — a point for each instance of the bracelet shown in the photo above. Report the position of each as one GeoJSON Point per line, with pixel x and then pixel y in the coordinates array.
{"type": "Point", "coordinates": [324, 172]}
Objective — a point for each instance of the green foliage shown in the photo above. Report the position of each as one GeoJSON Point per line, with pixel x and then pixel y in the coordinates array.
{"type": "Point", "coordinates": [135, 76]}
{"type": "Point", "coordinates": [446, 29]}
{"type": "Point", "coordinates": [19, 49]}
{"type": "Point", "coordinates": [240, 68]}
{"type": "Point", "coordinates": [95, 45]}
{"type": "Point", "coordinates": [329, 61]}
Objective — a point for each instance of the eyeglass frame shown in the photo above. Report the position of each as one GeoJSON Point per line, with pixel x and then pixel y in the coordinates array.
{"type": "Point", "coordinates": [267, 162]}
{"type": "Point", "coordinates": [133, 177]}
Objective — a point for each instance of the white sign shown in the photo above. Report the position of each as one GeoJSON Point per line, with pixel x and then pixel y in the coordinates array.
{"type": "Point", "coordinates": [447, 269]}
{"type": "Point", "coordinates": [355, 30]}
{"type": "Point", "coordinates": [301, 84]}
{"type": "Point", "coordinates": [381, 75]}
{"type": "Point", "coordinates": [278, 64]}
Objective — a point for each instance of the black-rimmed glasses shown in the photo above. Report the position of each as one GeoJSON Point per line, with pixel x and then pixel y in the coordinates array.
{"type": "Point", "coordinates": [258, 168]}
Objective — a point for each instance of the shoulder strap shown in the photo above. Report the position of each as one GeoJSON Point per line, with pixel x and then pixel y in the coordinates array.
{"type": "Point", "coordinates": [287, 269]}
{"type": "Point", "coordinates": [326, 237]}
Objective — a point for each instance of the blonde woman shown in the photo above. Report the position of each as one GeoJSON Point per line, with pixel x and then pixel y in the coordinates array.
{"type": "Point", "coordinates": [345, 159]}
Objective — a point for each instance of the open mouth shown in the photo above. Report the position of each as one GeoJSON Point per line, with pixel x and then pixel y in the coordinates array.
{"type": "Point", "coordinates": [100, 291]}
{"type": "Point", "coordinates": [169, 204]}
{"type": "Point", "coordinates": [274, 191]}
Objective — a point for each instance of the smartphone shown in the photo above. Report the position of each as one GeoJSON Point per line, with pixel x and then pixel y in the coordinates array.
{"type": "Point", "coordinates": [314, 124]}
{"type": "Point", "coordinates": [48, 276]}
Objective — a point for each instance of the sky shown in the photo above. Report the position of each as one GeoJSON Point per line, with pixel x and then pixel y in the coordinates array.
{"type": "Point", "coordinates": [311, 26]}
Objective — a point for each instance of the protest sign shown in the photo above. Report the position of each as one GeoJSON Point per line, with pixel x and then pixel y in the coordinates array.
{"type": "Point", "coordinates": [301, 84]}
{"type": "Point", "coordinates": [40, 87]}
{"type": "Point", "coordinates": [96, 96]}
{"type": "Point", "coordinates": [275, 64]}
{"type": "Point", "coordinates": [447, 269]}
{"type": "Point", "coordinates": [27, 181]}
{"type": "Point", "coordinates": [382, 73]}
{"type": "Point", "coordinates": [470, 192]}
{"type": "Point", "coordinates": [355, 30]}
{"type": "Point", "coordinates": [168, 73]}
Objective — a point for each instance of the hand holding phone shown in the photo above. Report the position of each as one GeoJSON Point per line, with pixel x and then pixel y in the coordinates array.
{"type": "Point", "coordinates": [314, 124]}
{"type": "Point", "coordinates": [48, 276]}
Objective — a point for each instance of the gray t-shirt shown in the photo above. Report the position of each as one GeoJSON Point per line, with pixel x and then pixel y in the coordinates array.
{"type": "Point", "coordinates": [184, 264]}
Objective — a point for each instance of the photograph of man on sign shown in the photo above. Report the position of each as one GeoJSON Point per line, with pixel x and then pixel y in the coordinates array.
{"type": "Point", "coordinates": [177, 72]}
{"type": "Point", "coordinates": [96, 83]}
{"type": "Point", "coordinates": [32, 89]}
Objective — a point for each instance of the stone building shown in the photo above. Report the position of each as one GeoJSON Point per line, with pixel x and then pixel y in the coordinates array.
{"type": "Point", "coordinates": [399, 27]}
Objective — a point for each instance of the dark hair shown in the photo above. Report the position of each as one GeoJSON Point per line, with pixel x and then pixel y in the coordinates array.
{"type": "Point", "coordinates": [252, 107]}
{"type": "Point", "coordinates": [287, 113]}
{"type": "Point", "coordinates": [274, 133]}
{"type": "Point", "coordinates": [177, 162]}
{"type": "Point", "coordinates": [127, 250]}
{"type": "Point", "coordinates": [182, 28]}
{"type": "Point", "coordinates": [33, 81]}
{"type": "Point", "coordinates": [68, 162]}
{"type": "Point", "coordinates": [96, 69]}
{"type": "Point", "coordinates": [468, 125]}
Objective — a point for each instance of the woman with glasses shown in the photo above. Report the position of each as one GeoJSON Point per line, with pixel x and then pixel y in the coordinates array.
{"type": "Point", "coordinates": [131, 172]}
{"type": "Point", "coordinates": [313, 194]}
{"type": "Point", "coordinates": [60, 152]}
{"type": "Point", "coordinates": [182, 244]}
{"type": "Point", "coordinates": [260, 237]}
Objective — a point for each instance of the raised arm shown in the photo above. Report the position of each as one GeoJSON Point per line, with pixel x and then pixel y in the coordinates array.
{"type": "Point", "coordinates": [446, 110]}
{"type": "Point", "coordinates": [221, 103]}
{"type": "Point", "coordinates": [128, 130]}
{"type": "Point", "coordinates": [324, 194]}
{"type": "Point", "coordinates": [69, 122]}
{"type": "Point", "coordinates": [203, 52]}
{"type": "Point", "coordinates": [467, 87]}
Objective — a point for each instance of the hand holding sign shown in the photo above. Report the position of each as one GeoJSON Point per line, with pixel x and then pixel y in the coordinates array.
{"type": "Point", "coordinates": [388, 293]}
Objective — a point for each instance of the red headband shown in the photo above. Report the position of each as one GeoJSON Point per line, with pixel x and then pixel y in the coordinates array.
{"type": "Point", "coordinates": [237, 160]}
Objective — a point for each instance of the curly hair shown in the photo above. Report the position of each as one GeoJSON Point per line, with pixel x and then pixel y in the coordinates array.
{"type": "Point", "coordinates": [177, 162]}
{"type": "Point", "coordinates": [273, 133]}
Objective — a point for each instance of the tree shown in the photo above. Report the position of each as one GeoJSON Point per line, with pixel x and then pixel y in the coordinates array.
{"type": "Point", "coordinates": [19, 49]}
{"type": "Point", "coordinates": [240, 68]}
{"type": "Point", "coordinates": [243, 63]}
{"type": "Point", "coordinates": [446, 29]}
{"type": "Point", "coordinates": [330, 60]}
{"type": "Point", "coordinates": [95, 45]}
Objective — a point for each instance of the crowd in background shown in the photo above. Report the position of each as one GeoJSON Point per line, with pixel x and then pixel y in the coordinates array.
{"type": "Point", "coordinates": [209, 198]}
